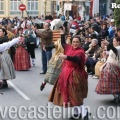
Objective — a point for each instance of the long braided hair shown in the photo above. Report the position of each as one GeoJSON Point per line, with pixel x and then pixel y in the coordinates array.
{"type": "Point", "coordinates": [58, 49]}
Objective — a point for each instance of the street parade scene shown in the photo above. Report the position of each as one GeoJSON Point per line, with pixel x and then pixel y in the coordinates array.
{"type": "Point", "coordinates": [59, 59]}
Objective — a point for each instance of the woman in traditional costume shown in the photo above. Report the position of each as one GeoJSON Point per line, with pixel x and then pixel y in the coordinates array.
{"type": "Point", "coordinates": [5, 61]}
{"type": "Point", "coordinates": [6, 66]}
{"type": "Point", "coordinates": [22, 58]}
{"type": "Point", "coordinates": [55, 63]}
{"type": "Point", "coordinates": [109, 81]}
{"type": "Point", "coordinates": [71, 87]}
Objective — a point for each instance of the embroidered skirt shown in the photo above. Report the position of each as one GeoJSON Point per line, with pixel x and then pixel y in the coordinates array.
{"type": "Point", "coordinates": [7, 70]}
{"type": "Point", "coordinates": [22, 59]}
{"type": "Point", "coordinates": [109, 82]}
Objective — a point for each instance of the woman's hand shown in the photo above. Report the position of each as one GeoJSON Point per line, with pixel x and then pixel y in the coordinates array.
{"type": "Point", "coordinates": [62, 56]}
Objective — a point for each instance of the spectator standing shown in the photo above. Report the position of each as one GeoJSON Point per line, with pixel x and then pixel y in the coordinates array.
{"type": "Point", "coordinates": [46, 40]}
{"type": "Point", "coordinates": [111, 29]}
{"type": "Point", "coordinates": [30, 39]}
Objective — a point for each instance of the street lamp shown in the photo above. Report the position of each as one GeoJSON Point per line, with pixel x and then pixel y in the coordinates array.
{"type": "Point", "coordinates": [45, 6]}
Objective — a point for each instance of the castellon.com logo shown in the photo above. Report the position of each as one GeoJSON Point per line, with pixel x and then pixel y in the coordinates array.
{"type": "Point", "coordinates": [115, 5]}
{"type": "Point", "coordinates": [56, 112]}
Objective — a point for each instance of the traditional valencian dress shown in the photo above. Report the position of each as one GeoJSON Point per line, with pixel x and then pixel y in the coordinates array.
{"type": "Point", "coordinates": [72, 85]}
{"type": "Point", "coordinates": [6, 65]}
{"type": "Point", "coordinates": [109, 82]}
{"type": "Point", "coordinates": [22, 58]}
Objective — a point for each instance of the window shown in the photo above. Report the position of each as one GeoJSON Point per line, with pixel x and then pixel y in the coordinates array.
{"type": "Point", "coordinates": [33, 7]}
{"type": "Point", "coordinates": [1, 6]}
{"type": "Point", "coordinates": [14, 6]}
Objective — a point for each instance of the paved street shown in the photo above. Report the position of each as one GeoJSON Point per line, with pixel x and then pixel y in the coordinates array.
{"type": "Point", "coordinates": [24, 92]}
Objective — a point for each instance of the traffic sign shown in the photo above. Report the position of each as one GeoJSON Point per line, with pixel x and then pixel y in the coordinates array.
{"type": "Point", "coordinates": [22, 7]}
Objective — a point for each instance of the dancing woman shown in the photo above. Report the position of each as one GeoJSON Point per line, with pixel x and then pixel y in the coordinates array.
{"type": "Point", "coordinates": [55, 63]}
{"type": "Point", "coordinates": [6, 66]}
{"type": "Point", "coordinates": [109, 82]}
{"type": "Point", "coordinates": [71, 86]}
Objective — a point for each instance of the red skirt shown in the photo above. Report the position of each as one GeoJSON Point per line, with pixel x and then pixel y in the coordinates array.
{"type": "Point", "coordinates": [109, 82]}
{"type": "Point", "coordinates": [22, 59]}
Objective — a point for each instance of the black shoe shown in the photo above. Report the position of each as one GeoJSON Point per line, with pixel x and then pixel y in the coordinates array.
{"type": "Point", "coordinates": [4, 84]}
{"type": "Point", "coordinates": [1, 85]}
{"type": "Point", "coordinates": [42, 86]}
{"type": "Point", "coordinates": [115, 100]}
{"type": "Point", "coordinates": [118, 98]}
{"type": "Point", "coordinates": [76, 117]}
{"type": "Point", "coordinates": [87, 116]}
{"type": "Point", "coordinates": [43, 73]}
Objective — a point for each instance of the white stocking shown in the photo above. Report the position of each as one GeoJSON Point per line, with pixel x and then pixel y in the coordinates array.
{"type": "Point", "coordinates": [80, 110]}
{"type": "Point", "coordinates": [84, 111]}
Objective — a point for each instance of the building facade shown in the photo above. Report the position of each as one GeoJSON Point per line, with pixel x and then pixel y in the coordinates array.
{"type": "Point", "coordinates": [33, 7]}
{"type": "Point", "coordinates": [41, 7]}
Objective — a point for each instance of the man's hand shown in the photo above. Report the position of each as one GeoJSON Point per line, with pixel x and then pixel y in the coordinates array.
{"type": "Point", "coordinates": [44, 47]}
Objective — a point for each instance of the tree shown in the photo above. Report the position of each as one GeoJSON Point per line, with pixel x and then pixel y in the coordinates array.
{"type": "Point", "coordinates": [117, 14]}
